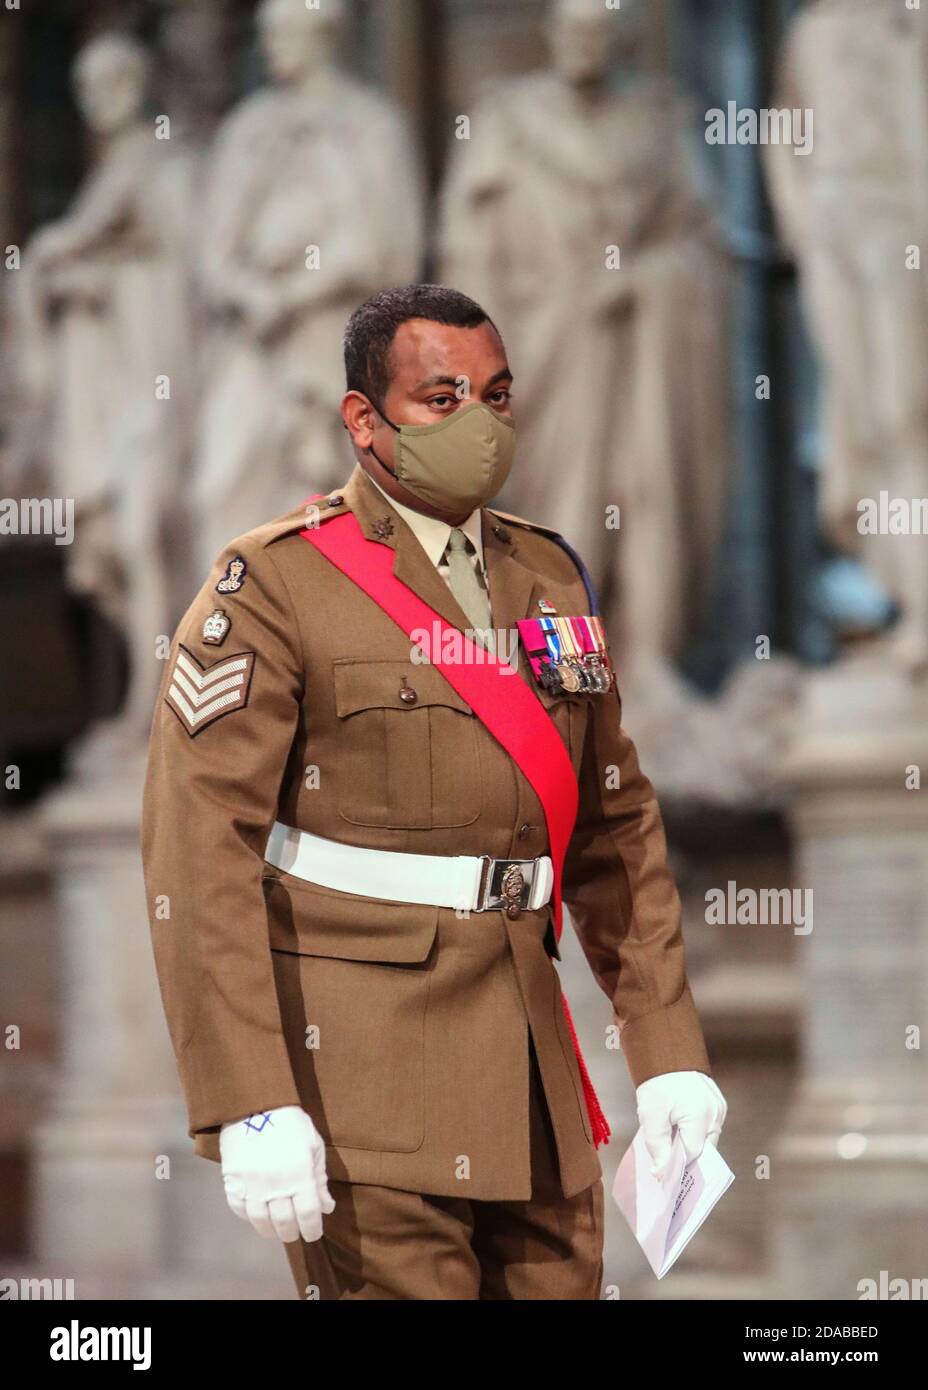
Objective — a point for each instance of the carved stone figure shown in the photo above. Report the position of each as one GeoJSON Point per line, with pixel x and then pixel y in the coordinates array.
{"type": "Point", "coordinates": [570, 214]}
{"type": "Point", "coordinates": [854, 213]}
{"type": "Point", "coordinates": [313, 204]}
{"type": "Point", "coordinates": [195, 64]}
{"type": "Point", "coordinates": [106, 360]}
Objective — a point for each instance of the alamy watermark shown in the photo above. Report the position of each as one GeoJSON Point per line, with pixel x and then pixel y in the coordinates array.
{"type": "Point", "coordinates": [769, 125]}
{"type": "Point", "coordinates": [732, 906]}
{"type": "Point", "coordinates": [892, 1288]}
{"type": "Point", "coordinates": [38, 516]}
{"type": "Point", "coordinates": [82, 1342]}
{"type": "Point", "coordinates": [483, 646]}
{"type": "Point", "coordinates": [34, 1288]}
{"type": "Point", "coordinates": [892, 516]}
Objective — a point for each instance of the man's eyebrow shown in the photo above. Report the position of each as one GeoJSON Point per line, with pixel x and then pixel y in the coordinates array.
{"type": "Point", "coordinates": [436, 381]}
{"type": "Point", "coordinates": [503, 374]}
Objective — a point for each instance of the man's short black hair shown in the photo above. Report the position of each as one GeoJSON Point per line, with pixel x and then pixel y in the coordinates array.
{"type": "Point", "coordinates": [372, 328]}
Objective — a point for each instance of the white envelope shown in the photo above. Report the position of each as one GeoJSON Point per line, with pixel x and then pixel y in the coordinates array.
{"type": "Point", "coordinates": [664, 1217]}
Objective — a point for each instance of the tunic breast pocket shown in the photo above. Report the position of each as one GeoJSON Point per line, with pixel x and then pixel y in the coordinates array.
{"type": "Point", "coordinates": [569, 714]}
{"type": "Point", "coordinates": [407, 746]}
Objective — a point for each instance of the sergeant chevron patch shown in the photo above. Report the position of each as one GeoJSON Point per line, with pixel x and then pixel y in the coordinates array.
{"type": "Point", "coordinates": [199, 695]}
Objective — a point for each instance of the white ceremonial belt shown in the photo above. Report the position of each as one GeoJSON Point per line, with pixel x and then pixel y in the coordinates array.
{"type": "Point", "coordinates": [475, 883]}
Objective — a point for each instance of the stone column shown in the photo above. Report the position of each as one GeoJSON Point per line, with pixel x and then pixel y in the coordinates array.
{"type": "Point", "coordinates": [102, 1214]}
{"type": "Point", "coordinates": [851, 1168]}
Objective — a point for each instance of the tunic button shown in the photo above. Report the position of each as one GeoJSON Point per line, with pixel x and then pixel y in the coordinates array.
{"type": "Point", "coordinates": [513, 910]}
{"type": "Point", "coordinates": [409, 695]}
{"type": "Point", "coordinates": [525, 830]}
{"type": "Point", "coordinates": [336, 500]}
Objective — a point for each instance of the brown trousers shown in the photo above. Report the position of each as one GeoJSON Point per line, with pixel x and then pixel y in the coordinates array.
{"type": "Point", "coordinates": [384, 1243]}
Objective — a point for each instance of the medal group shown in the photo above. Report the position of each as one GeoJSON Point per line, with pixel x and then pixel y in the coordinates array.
{"type": "Point", "coordinates": [568, 655]}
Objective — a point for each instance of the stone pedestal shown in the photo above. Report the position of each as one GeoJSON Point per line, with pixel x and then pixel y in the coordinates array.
{"type": "Point", "coordinates": [851, 1167]}
{"type": "Point", "coordinates": [102, 1214]}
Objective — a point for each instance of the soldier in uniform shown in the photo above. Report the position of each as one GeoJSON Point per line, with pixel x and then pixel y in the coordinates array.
{"type": "Point", "coordinates": [386, 749]}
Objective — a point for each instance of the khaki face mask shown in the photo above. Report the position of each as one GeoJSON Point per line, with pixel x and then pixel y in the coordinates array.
{"type": "Point", "coordinates": [460, 462]}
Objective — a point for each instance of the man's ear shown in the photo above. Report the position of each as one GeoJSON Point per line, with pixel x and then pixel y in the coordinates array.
{"type": "Point", "coordinates": [359, 418]}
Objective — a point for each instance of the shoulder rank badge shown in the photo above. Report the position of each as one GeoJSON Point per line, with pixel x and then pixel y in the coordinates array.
{"type": "Point", "coordinates": [216, 627]}
{"type": "Point", "coordinates": [568, 656]}
{"type": "Point", "coordinates": [199, 695]}
{"type": "Point", "coordinates": [234, 577]}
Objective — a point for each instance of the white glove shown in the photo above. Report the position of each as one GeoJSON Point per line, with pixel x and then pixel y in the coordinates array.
{"type": "Point", "coordinates": [689, 1099]}
{"type": "Point", "coordinates": [273, 1170]}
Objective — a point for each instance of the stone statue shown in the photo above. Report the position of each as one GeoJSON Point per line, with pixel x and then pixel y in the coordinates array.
{"type": "Point", "coordinates": [313, 204]}
{"type": "Point", "coordinates": [104, 360]}
{"type": "Point", "coordinates": [195, 65]}
{"type": "Point", "coordinates": [619, 372]}
{"type": "Point", "coordinates": [854, 214]}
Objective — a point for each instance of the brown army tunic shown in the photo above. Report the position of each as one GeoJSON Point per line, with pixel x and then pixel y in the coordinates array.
{"type": "Point", "coordinates": [402, 1029]}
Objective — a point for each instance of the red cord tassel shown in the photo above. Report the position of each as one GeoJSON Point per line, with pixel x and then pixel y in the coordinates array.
{"type": "Point", "coordinates": [598, 1123]}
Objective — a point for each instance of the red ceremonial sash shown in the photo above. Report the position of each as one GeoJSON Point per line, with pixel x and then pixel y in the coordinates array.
{"type": "Point", "coordinates": [499, 697]}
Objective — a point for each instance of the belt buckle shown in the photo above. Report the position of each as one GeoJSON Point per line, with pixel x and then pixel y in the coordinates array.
{"type": "Point", "coordinates": [508, 884]}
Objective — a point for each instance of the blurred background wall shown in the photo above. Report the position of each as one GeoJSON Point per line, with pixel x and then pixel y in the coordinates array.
{"type": "Point", "coordinates": [718, 350]}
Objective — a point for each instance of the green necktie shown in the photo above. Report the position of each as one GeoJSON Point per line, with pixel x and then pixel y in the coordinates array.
{"type": "Point", "coordinates": [463, 581]}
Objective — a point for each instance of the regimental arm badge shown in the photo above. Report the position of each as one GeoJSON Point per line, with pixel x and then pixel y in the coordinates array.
{"type": "Point", "coordinates": [234, 577]}
{"type": "Point", "coordinates": [568, 656]}
{"type": "Point", "coordinates": [199, 695]}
